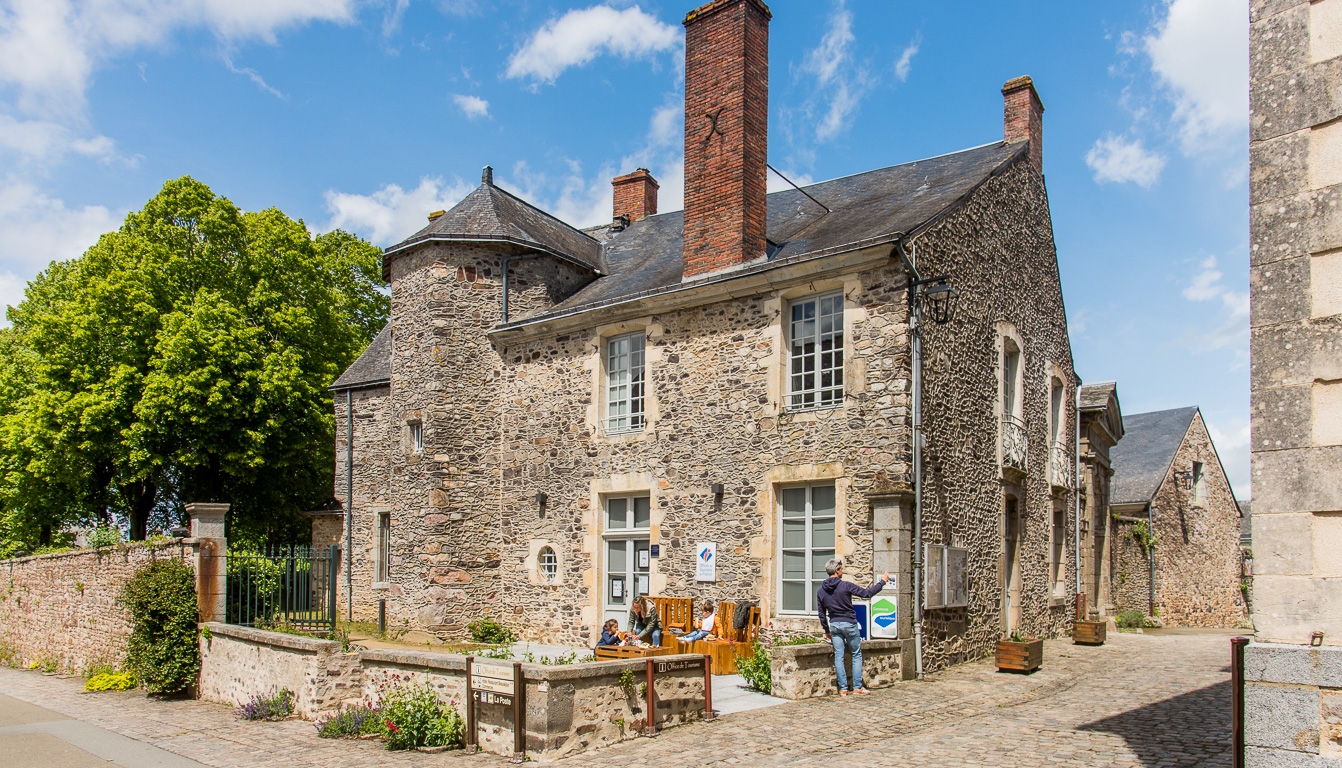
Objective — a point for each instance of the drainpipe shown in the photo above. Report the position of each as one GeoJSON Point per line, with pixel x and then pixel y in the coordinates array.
{"type": "Point", "coordinates": [349, 505]}
{"type": "Point", "coordinates": [1076, 492]}
{"type": "Point", "coordinates": [1151, 557]}
{"type": "Point", "coordinates": [916, 337]}
{"type": "Point", "coordinates": [506, 260]}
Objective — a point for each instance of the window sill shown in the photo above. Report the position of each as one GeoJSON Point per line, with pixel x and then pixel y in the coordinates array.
{"type": "Point", "coordinates": [382, 585]}
{"type": "Point", "coordinates": [626, 434]}
{"type": "Point", "coordinates": [815, 413]}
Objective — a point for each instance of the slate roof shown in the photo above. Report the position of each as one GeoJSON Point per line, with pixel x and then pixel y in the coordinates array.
{"type": "Point", "coordinates": [648, 256]}
{"type": "Point", "coordinates": [490, 214]}
{"type": "Point", "coordinates": [373, 367]}
{"type": "Point", "coordinates": [1142, 458]}
{"type": "Point", "coordinates": [1096, 395]}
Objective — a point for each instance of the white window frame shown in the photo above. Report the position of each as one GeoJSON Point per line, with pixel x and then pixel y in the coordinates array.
{"type": "Point", "coordinates": [632, 535]}
{"type": "Point", "coordinates": [809, 549]}
{"type": "Point", "coordinates": [626, 383]}
{"type": "Point", "coordinates": [1057, 552]}
{"type": "Point", "coordinates": [383, 574]}
{"type": "Point", "coordinates": [940, 576]}
{"type": "Point", "coordinates": [1199, 480]}
{"type": "Point", "coordinates": [817, 396]}
{"type": "Point", "coordinates": [547, 564]}
{"type": "Point", "coordinates": [416, 436]}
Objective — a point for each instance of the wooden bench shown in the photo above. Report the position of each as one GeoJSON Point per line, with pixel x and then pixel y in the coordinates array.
{"type": "Point", "coordinates": [676, 613]}
{"type": "Point", "coordinates": [631, 651]}
{"type": "Point", "coordinates": [730, 643]}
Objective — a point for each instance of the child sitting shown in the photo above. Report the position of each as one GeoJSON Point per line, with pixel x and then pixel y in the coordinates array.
{"type": "Point", "coordinates": [705, 626]}
{"type": "Point", "coordinates": [610, 633]}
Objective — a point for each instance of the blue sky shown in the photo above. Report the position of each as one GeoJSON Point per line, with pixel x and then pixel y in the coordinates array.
{"type": "Point", "coordinates": [369, 115]}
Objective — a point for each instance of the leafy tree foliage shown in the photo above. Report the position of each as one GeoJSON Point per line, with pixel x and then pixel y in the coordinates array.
{"type": "Point", "coordinates": [184, 357]}
{"type": "Point", "coordinates": [162, 650]}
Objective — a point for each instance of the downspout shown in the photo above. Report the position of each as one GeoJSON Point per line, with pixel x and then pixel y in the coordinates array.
{"type": "Point", "coordinates": [1151, 557]}
{"type": "Point", "coordinates": [1076, 497]}
{"type": "Point", "coordinates": [507, 259]}
{"type": "Point", "coordinates": [916, 337]}
{"type": "Point", "coordinates": [349, 505]}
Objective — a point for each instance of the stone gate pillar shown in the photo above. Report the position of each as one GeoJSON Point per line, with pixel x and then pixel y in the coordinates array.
{"type": "Point", "coordinates": [211, 558]}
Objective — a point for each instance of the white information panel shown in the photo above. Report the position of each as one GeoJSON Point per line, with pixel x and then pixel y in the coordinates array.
{"type": "Point", "coordinates": [706, 561]}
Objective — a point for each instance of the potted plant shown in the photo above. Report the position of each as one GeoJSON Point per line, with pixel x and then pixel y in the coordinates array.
{"type": "Point", "coordinates": [1090, 632]}
{"type": "Point", "coordinates": [1019, 654]}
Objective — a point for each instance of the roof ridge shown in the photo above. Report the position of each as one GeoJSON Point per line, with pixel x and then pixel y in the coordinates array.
{"type": "Point", "coordinates": [540, 210]}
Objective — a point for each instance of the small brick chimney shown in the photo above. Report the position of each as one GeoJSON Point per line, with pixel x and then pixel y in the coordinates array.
{"type": "Point", "coordinates": [726, 134]}
{"type": "Point", "coordinates": [1024, 117]}
{"type": "Point", "coordinates": [635, 195]}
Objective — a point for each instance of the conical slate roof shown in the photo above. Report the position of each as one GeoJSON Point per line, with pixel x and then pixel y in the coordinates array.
{"type": "Point", "coordinates": [490, 214]}
{"type": "Point", "coordinates": [1143, 457]}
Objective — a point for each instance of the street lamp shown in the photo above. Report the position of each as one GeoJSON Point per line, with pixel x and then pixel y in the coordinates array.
{"type": "Point", "coordinates": [938, 296]}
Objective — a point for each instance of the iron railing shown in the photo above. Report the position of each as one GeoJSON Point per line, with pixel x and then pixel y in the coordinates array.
{"type": "Point", "coordinates": [283, 586]}
{"type": "Point", "coordinates": [1060, 466]}
{"type": "Point", "coordinates": [1014, 442]}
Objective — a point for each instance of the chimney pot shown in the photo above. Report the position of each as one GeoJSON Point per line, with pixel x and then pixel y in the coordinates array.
{"type": "Point", "coordinates": [726, 134]}
{"type": "Point", "coordinates": [1023, 118]}
{"type": "Point", "coordinates": [635, 196]}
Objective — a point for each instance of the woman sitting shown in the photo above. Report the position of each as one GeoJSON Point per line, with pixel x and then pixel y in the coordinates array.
{"type": "Point", "coordinates": [644, 623]}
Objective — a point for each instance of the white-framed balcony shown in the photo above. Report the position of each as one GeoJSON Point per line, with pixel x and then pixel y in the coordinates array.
{"type": "Point", "coordinates": [1060, 467]}
{"type": "Point", "coordinates": [1015, 445]}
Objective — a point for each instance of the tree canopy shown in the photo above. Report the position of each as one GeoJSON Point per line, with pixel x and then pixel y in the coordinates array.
{"type": "Point", "coordinates": [184, 357]}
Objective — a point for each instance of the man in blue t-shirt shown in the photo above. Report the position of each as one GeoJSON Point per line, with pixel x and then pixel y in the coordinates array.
{"type": "Point", "coordinates": [839, 620]}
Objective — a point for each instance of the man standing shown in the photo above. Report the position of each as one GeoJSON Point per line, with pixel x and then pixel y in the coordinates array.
{"type": "Point", "coordinates": [839, 620]}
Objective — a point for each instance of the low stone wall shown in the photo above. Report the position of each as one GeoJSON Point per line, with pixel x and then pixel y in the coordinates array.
{"type": "Point", "coordinates": [806, 671]}
{"type": "Point", "coordinates": [569, 708]}
{"type": "Point", "coordinates": [237, 663]}
{"type": "Point", "coordinates": [64, 610]}
{"type": "Point", "coordinates": [1292, 705]}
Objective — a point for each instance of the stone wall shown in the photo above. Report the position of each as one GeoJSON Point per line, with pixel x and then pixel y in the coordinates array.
{"type": "Point", "coordinates": [1292, 705]}
{"type": "Point", "coordinates": [1131, 584]}
{"type": "Point", "coordinates": [807, 671]}
{"type": "Point", "coordinates": [998, 249]}
{"type": "Point", "coordinates": [1197, 542]}
{"type": "Point", "coordinates": [239, 663]}
{"type": "Point", "coordinates": [65, 609]}
{"type": "Point", "coordinates": [375, 441]}
{"type": "Point", "coordinates": [569, 709]}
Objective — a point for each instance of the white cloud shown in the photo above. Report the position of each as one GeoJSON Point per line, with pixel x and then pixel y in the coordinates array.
{"type": "Point", "coordinates": [391, 213]}
{"type": "Point", "coordinates": [43, 141]}
{"type": "Point", "coordinates": [1120, 159]}
{"type": "Point", "coordinates": [1232, 328]}
{"type": "Point", "coordinates": [1233, 448]}
{"type": "Point", "coordinates": [579, 36]}
{"type": "Point", "coordinates": [36, 229]}
{"type": "Point", "coordinates": [1205, 284]}
{"type": "Point", "coordinates": [905, 61]}
{"type": "Point", "coordinates": [839, 83]}
{"type": "Point", "coordinates": [473, 106]}
{"type": "Point", "coordinates": [1198, 53]}
{"type": "Point", "coordinates": [50, 48]}
{"type": "Point", "coordinates": [775, 183]}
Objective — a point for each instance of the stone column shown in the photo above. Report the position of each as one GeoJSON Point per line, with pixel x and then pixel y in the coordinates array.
{"type": "Point", "coordinates": [892, 548]}
{"type": "Point", "coordinates": [211, 558]}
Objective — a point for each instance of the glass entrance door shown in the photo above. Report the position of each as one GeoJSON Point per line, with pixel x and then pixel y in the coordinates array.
{"type": "Point", "coordinates": [627, 564]}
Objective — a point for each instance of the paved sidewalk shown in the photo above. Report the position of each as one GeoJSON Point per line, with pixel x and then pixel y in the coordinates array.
{"type": "Point", "coordinates": [1141, 700]}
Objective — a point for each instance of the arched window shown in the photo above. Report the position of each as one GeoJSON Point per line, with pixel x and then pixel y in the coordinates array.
{"type": "Point", "coordinates": [548, 563]}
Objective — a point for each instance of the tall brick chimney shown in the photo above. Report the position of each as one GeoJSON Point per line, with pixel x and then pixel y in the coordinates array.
{"type": "Point", "coordinates": [726, 134]}
{"type": "Point", "coordinates": [635, 195]}
{"type": "Point", "coordinates": [1024, 117]}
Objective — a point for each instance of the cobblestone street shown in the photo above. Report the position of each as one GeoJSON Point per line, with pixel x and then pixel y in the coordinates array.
{"type": "Point", "coordinates": [1140, 700]}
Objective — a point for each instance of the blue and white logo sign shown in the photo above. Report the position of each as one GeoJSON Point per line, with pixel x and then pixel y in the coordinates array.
{"type": "Point", "coordinates": [706, 561]}
{"type": "Point", "coordinates": [884, 618]}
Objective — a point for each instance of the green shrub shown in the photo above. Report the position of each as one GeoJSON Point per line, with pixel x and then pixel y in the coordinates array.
{"type": "Point", "coordinates": [163, 652]}
{"type": "Point", "coordinates": [110, 681]}
{"type": "Point", "coordinates": [276, 706]}
{"type": "Point", "coordinates": [487, 630]}
{"type": "Point", "coordinates": [1130, 620]}
{"type": "Point", "coordinates": [412, 716]}
{"type": "Point", "coordinates": [104, 536]}
{"type": "Point", "coordinates": [350, 722]}
{"type": "Point", "coordinates": [755, 667]}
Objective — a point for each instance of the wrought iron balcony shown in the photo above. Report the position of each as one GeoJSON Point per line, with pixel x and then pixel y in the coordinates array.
{"type": "Point", "coordinates": [1013, 443]}
{"type": "Point", "coordinates": [1060, 466]}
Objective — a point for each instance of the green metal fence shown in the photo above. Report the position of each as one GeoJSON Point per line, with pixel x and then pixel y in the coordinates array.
{"type": "Point", "coordinates": [291, 587]}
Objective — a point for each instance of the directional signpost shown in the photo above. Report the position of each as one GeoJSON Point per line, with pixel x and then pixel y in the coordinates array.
{"type": "Point", "coordinates": [500, 685]}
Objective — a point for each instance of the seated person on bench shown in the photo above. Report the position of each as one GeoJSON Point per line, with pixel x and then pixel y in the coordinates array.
{"type": "Point", "coordinates": [705, 626]}
{"type": "Point", "coordinates": [644, 623]}
{"type": "Point", "coordinates": [610, 633]}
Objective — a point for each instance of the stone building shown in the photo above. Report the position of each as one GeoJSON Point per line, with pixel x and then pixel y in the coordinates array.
{"type": "Point", "coordinates": [1174, 547]}
{"type": "Point", "coordinates": [556, 420]}
{"type": "Point", "coordinates": [1101, 429]}
{"type": "Point", "coordinates": [1294, 665]}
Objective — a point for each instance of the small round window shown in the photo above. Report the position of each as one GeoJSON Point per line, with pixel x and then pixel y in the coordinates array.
{"type": "Point", "coordinates": [549, 564]}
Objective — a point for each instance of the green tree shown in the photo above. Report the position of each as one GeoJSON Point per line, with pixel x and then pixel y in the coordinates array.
{"type": "Point", "coordinates": [185, 357]}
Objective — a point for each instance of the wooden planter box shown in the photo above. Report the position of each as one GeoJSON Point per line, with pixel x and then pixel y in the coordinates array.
{"type": "Point", "coordinates": [1023, 656]}
{"type": "Point", "coordinates": [1090, 632]}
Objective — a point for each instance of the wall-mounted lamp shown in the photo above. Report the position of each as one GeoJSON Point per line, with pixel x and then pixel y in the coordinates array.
{"type": "Point", "coordinates": [937, 296]}
{"type": "Point", "coordinates": [1184, 479]}
{"type": "Point", "coordinates": [541, 499]}
{"type": "Point", "coordinates": [716, 489]}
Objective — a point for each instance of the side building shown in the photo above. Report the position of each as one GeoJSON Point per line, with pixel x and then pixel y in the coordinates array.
{"type": "Point", "coordinates": [555, 420]}
{"type": "Point", "coordinates": [1175, 524]}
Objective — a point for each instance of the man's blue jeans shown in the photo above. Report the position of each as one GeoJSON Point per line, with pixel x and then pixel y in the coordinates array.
{"type": "Point", "coordinates": [845, 636]}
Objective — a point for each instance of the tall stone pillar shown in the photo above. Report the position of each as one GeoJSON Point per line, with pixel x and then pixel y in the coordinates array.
{"type": "Point", "coordinates": [211, 558]}
{"type": "Point", "coordinates": [892, 548]}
